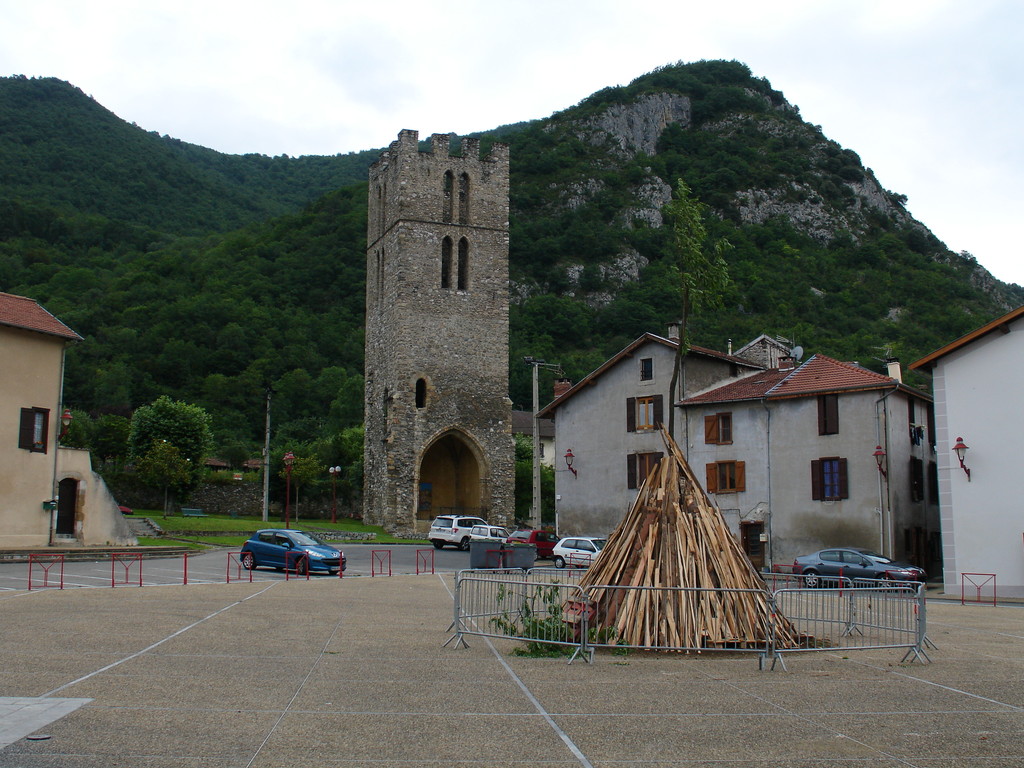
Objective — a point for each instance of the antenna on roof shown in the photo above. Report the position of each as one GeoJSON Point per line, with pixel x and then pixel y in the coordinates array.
{"type": "Point", "coordinates": [797, 352]}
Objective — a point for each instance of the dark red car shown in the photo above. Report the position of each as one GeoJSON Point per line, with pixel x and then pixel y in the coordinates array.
{"type": "Point", "coordinates": [544, 540]}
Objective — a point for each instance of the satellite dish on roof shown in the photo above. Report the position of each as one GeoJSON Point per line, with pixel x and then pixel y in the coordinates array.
{"type": "Point", "coordinates": [797, 352]}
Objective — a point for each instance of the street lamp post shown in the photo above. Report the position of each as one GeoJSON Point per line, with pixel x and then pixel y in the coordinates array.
{"type": "Point", "coordinates": [335, 471]}
{"type": "Point", "coordinates": [289, 459]}
{"type": "Point", "coordinates": [535, 364]}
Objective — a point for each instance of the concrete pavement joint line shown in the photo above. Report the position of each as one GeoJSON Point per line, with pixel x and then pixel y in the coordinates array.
{"type": "Point", "coordinates": [577, 753]}
{"type": "Point", "coordinates": [539, 707]}
{"type": "Point", "coordinates": [976, 629]}
{"type": "Point", "coordinates": [298, 690]}
{"type": "Point", "coordinates": [815, 723]}
{"type": "Point", "coordinates": [1013, 707]}
{"type": "Point", "coordinates": [154, 645]}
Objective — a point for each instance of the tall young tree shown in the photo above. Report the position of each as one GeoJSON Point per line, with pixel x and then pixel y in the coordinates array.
{"type": "Point", "coordinates": [702, 272]}
{"type": "Point", "coordinates": [185, 426]}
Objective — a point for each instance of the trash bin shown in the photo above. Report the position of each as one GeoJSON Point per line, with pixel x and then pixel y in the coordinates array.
{"type": "Point", "coordinates": [520, 555]}
{"type": "Point", "coordinates": [485, 553]}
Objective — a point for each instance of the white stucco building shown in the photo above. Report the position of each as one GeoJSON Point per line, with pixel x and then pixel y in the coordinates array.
{"type": "Point", "coordinates": [976, 382]}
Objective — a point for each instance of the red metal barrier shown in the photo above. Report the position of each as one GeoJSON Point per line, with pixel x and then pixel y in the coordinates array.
{"type": "Point", "coordinates": [235, 559]}
{"type": "Point", "coordinates": [978, 585]}
{"type": "Point", "coordinates": [421, 558]}
{"type": "Point", "coordinates": [380, 557]}
{"type": "Point", "coordinates": [126, 560]}
{"type": "Point", "coordinates": [46, 562]}
{"type": "Point", "coordinates": [301, 565]}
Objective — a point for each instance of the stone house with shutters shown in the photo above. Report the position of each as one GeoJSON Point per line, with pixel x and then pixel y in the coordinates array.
{"type": "Point", "coordinates": [789, 455]}
{"type": "Point", "coordinates": [49, 494]}
{"type": "Point", "coordinates": [610, 422]}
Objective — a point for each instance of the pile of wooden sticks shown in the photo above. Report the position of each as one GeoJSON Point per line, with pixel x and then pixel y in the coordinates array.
{"type": "Point", "coordinates": [675, 536]}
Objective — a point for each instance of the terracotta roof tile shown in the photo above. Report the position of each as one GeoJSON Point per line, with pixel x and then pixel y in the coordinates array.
{"type": "Point", "coordinates": [824, 374]}
{"type": "Point", "coordinates": [819, 375]}
{"type": "Point", "coordinates": [749, 388]}
{"type": "Point", "coordinates": [22, 312]}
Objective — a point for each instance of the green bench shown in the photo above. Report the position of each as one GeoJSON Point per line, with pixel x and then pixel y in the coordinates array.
{"type": "Point", "coordinates": [191, 512]}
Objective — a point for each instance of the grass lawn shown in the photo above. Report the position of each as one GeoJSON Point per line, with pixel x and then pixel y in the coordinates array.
{"type": "Point", "coordinates": [220, 530]}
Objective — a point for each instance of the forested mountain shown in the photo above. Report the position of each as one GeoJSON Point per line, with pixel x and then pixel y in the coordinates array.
{"type": "Point", "coordinates": [209, 276]}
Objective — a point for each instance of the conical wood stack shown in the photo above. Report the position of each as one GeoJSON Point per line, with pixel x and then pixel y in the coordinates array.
{"type": "Point", "coordinates": [675, 536]}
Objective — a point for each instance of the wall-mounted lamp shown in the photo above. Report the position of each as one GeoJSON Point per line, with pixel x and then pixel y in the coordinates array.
{"type": "Point", "coordinates": [879, 455]}
{"type": "Point", "coordinates": [65, 422]}
{"type": "Point", "coordinates": [569, 456]}
{"type": "Point", "coordinates": [960, 449]}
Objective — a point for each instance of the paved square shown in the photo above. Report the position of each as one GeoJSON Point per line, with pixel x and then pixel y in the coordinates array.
{"type": "Point", "coordinates": [352, 672]}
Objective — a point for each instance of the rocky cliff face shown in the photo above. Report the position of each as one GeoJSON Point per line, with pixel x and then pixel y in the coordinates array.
{"type": "Point", "coordinates": [636, 127]}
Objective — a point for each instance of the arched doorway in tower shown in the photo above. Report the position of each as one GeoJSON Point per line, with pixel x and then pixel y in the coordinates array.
{"type": "Point", "coordinates": [451, 479]}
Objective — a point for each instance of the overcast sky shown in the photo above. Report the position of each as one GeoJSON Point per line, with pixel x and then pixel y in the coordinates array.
{"type": "Point", "coordinates": [927, 92]}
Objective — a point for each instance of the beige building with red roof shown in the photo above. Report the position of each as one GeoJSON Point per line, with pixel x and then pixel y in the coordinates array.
{"type": "Point", "coordinates": [48, 494]}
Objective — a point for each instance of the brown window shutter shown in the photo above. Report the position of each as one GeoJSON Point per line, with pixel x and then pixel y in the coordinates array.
{"type": "Point", "coordinates": [26, 428]}
{"type": "Point", "coordinates": [741, 476]}
{"type": "Point", "coordinates": [844, 490]}
{"type": "Point", "coordinates": [712, 478]}
{"type": "Point", "coordinates": [659, 411]}
{"type": "Point", "coordinates": [631, 417]}
{"type": "Point", "coordinates": [631, 470]}
{"type": "Point", "coordinates": [711, 429]}
{"type": "Point", "coordinates": [816, 480]}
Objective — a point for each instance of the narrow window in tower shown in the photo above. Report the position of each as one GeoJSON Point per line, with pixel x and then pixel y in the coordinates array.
{"type": "Point", "coordinates": [464, 198]}
{"type": "Point", "coordinates": [382, 195]}
{"type": "Point", "coordinates": [446, 205]}
{"type": "Point", "coordinates": [463, 264]}
{"type": "Point", "coordinates": [446, 263]}
{"type": "Point", "coordinates": [421, 393]}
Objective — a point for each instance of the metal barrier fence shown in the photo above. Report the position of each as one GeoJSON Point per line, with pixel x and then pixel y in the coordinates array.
{"type": "Point", "coordinates": [547, 607]}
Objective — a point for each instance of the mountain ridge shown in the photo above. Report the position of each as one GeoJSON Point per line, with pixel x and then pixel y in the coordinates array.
{"type": "Point", "coordinates": [210, 277]}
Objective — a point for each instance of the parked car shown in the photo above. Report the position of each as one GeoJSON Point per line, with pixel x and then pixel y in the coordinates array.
{"type": "Point", "coordinates": [125, 510]}
{"type": "Point", "coordinates": [296, 550]}
{"type": "Point", "coordinates": [487, 532]}
{"type": "Point", "coordinates": [453, 529]}
{"type": "Point", "coordinates": [544, 540]}
{"type": "Point", "coordinates": [853, 563]}
{"type": "Point", "coordinates": [576, 550]}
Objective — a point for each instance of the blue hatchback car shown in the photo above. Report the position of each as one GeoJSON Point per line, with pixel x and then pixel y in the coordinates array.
{"type": "Point", "coordinates": [295, 550]}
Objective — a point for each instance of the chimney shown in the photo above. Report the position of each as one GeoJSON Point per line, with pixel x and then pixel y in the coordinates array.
{"type": "Point", "coordinates": [892, 368]}
{"type": "Point", "coordinates": [787, 363]}
{"type": "Point", "coordinates": [673, 331]}
{"type": "Point", "coordinates": [561, 387]}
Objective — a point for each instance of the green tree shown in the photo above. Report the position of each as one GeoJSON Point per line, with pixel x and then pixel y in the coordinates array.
{"type": "Point", "coordinates": [110, 438]}
{"type": "Point", "coordinates": [305, 470]}
{"type": "Point", "coordinates": [184, 426]}
{"type": "Point", "coordinates": [163, 467]}
{"type": "Point", "coordinates": [700, 264]}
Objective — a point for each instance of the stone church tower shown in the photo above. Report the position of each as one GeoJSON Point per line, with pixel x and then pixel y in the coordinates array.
{"type": "Point", "coordinates": [437, 414]}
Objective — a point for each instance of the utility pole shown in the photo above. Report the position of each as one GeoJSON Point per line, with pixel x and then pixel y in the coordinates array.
{"type": "Point", "coordinates": [535, 517]}
{"type": "Point", "coordinates": [266, 463]}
